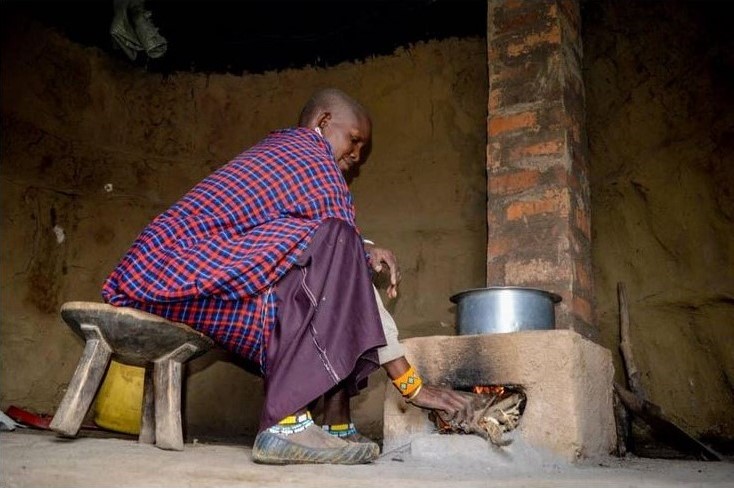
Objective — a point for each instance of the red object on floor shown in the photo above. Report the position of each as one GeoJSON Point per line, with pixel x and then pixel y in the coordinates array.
{"type": "Point", "coordinates": [39, 421]}
{"type": "Point", "coordinates": [28, 418]}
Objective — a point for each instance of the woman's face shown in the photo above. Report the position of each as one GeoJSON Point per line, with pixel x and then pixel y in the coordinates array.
{"type": "Point", "coordinates": [349, 136]}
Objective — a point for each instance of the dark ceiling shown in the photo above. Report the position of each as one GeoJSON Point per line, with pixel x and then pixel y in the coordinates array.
{"type": "Point", "coordinates": [257, 35]}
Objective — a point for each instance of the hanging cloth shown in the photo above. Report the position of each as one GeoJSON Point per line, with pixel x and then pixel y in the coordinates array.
{"type": "Point", "coordinates": [132, 30]}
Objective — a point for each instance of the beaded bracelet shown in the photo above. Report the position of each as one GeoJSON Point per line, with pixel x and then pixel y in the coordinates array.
{"type": "Point", "coordinates": [408, 384]}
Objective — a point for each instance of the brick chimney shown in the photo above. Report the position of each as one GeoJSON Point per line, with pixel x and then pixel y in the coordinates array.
{"type": "Point", "coordinates": [538, 195]}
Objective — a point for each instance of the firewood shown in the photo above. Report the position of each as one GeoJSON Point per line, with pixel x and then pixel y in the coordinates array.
{"type": "Point", "coordinates": [504, 404]}
{"type": "Point", "coordinates": [634, 378]}
{"type": "Point", "coordinates": [490, 418]}
{"type": "Point", "coordinates": [623, 424]}
{"type": "Point", "coordinates": [652, 414]}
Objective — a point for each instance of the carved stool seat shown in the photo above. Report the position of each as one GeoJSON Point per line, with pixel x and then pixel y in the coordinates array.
{"type": "Point", "coordinates": [135, 338]}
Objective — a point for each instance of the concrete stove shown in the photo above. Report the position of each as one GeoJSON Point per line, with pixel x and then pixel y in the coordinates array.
{"type": "Point", "coordinates": [567, 380]}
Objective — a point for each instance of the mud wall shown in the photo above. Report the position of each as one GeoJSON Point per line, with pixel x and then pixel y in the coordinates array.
{"type": "Point", "coordinates": [660, 115]}
{"type": "Point", "coordinates": [93, 149]}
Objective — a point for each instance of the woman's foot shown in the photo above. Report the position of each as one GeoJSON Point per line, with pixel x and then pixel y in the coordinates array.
{"type": "Point", "coordinates": [348, 432]}
{"type": "Point", "coordinates": [311, 445]}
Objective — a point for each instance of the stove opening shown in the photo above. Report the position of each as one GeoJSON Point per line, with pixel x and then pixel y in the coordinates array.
{"type": "Point", "coordinates": [495, 410]}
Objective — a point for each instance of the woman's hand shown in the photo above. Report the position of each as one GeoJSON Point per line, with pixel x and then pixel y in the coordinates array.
{"type": "Point", "coordinates": [456, 405]}
{"type": "Point", "coordinates": [384, 257]}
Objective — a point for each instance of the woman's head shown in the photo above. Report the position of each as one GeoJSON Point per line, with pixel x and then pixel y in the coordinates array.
{"type": "Point", "coordinates": [343, 122]}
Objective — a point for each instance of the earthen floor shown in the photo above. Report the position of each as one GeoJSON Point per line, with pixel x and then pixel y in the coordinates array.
{"type": "Point", "coordinates": [38, 459]}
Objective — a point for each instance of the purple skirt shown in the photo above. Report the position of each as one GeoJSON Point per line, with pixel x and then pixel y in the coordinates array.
{"type": "Point", "coordinates": [328, 327]}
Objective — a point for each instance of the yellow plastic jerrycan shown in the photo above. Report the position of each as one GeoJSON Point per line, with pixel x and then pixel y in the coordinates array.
{"type": "Point", "coordinates": [118, 405]}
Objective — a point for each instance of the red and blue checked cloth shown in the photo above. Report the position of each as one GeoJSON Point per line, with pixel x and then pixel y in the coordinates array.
{"type": "Point", "coordinates": [211, 260]}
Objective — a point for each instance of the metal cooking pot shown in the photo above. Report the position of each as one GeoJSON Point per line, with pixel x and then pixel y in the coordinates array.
{"type": "Point", "coordinates": [504, 309]}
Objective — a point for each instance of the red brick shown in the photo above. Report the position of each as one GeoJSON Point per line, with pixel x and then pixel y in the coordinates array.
{"type": "Point", "coordinates": [495, 99]}
{"type": "Point", "coordinates": [569, 10]}
{"type": "Point", "coordinates": [582, 222]}
{"type": "Point", "coordinates": [504, 184]}
{"type": "Point", "coordinates": [495, 274]}
{"type": "Point", "coordinates": [519, 210]}
{"type": "Point", "coordinates": [518, 17]}
{"type": "Point", "coordinates": [552, 36]}
{"type": "Point", "coordinates": [554, 201]}
{"type": "Point", "coordinates": [535, 272]}
{"type": "Point", "coordinates": [547, 148]}
{"type": "Point", "coordinates": [493, 54]}
{"type": "Point", "coordinates": [521, 15]}
{"type": "Point", "coordinates": [494, 216]}
{"type": "Point", "coordinates": [498, 246]}
{"type": "Point", "coordinates": [583, 277]}
{"type": "Point", "coordinates": [513, 75]}
{"type": "Point", "coordinates": [505, 123]}
{"type": "Point", "coordinates": [494, 160]}
{"type": "Point", "coordinates": [560, 176]}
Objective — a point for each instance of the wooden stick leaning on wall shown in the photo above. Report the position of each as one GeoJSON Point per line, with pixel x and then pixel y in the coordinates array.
{"type": "Point", "coordinates": [664, 427]}
{"type": "Point", "coordinates": [634, 378]}
{"type": "Point", "coordinates": [622, 418]}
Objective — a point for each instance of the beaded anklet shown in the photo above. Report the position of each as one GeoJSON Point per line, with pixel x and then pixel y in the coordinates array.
{"type": "Point", "coordinates": [340, 430]}
{"type": "Point", "coordinates": [292, 424]}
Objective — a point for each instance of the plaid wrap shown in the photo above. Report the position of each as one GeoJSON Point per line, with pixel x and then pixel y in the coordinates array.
{"type": "Point", "coordinates": [211, 260]}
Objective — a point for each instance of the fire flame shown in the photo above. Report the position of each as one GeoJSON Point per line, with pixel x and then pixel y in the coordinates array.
{"type": "Point", "coordinates": [498, 390]}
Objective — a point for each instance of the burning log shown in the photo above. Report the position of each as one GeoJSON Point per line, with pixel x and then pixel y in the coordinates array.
{"type": "Point", "coordinates": [495, 410]}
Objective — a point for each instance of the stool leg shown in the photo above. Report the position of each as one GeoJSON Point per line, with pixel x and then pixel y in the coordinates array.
{"type": "Point", "coordinates": [167, 384]}
{"type": "Point", "coordinates": [147, 424]}
{"type": "Point", "coordinates": [84, 384]}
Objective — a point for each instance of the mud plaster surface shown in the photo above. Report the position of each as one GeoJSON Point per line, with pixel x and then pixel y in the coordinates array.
{"type": "Point", "coordinates": [661, 130]}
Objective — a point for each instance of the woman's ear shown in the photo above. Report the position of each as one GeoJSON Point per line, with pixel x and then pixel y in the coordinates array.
{"type": "Point", "coordinates": [322, 120]}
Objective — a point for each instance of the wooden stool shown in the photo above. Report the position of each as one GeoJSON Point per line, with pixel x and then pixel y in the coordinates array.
{"type": "Point", "coordinates": [136, 338]}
